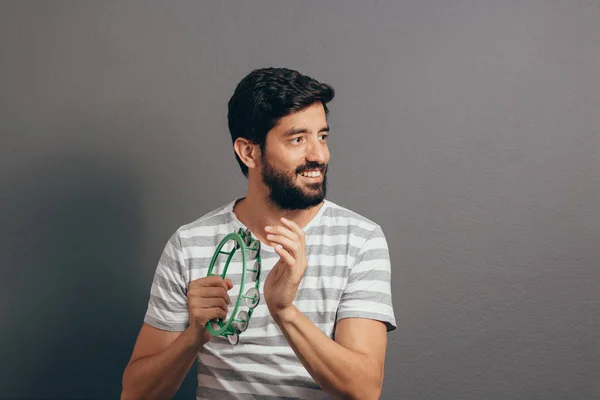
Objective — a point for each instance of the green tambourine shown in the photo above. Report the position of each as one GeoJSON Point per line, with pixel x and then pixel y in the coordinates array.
{"type": "Point", "coordinates": [238, 321]}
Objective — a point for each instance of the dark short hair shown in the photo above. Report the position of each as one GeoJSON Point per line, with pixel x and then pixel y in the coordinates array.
{"type": "Point", "coordinates": [266, 95]}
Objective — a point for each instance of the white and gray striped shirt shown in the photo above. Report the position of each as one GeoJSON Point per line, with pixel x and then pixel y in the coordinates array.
{"type": "Point", "coordinates": [348, 275]}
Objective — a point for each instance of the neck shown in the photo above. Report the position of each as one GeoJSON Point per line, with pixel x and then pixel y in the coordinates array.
{"type": "Point", "coordinates": [256, 211]}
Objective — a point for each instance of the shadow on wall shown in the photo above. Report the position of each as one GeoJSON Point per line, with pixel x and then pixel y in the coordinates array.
{"type": "Point", "coordinates": [72, 236]}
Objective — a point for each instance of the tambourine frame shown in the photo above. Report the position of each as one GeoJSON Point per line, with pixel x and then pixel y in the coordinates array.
{"type": "Point", "coordinates": [245, 243]}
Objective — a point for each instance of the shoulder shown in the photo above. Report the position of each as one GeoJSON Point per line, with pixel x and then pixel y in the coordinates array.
{"type": "Point", "coordinates": [342, 226]}
{"type": "Point", "coordinates": [208, 224]}
{"type": "Point", "coordinates": [337, 215]}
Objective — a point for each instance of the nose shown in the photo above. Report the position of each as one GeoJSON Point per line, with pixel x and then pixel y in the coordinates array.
{"type": "Point", "coordinates": [317, 151]}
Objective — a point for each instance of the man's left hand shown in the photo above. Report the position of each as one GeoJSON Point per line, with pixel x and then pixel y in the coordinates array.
{"type": "Point", "coordinates": [282, 282]}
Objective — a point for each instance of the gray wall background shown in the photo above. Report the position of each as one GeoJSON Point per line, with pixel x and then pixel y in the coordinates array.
{"type": "Point", "coordinates": [470, 130]}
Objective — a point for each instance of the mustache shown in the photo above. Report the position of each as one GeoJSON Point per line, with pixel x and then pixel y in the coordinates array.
{"type": "Point", "coordinates": [311, 166]}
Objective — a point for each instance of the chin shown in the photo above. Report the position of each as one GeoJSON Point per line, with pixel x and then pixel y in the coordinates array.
{"type": "Point", "coordinates": [314, 187]}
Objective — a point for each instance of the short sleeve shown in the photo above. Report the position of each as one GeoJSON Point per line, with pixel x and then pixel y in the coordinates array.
{"type": "Point", "coordinates": [368, 290]}
{"type": "Point", "coordinates": [167, 306]}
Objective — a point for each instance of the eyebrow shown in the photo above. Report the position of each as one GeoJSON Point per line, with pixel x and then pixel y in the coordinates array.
{"type": "Point", "coordinates": [296, 131]}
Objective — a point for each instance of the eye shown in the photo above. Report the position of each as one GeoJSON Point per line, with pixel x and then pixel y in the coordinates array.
{"type": "Point", "coordinates": [297, 140]}
{"type": "Point", "coordinates": [324, 137]}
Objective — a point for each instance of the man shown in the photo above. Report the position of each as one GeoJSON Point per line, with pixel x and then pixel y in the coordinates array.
{"type": "Point", "coordinates": [320, 329]}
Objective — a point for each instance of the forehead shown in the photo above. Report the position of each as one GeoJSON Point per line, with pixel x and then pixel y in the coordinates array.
{"type": "Point", "coordinates": [312, 118]}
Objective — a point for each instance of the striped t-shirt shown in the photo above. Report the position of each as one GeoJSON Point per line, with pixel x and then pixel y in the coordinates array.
{"type": "Point", "coordinates": [348, 275]}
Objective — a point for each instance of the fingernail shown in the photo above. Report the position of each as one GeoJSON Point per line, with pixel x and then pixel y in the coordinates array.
{"type": "Point", "coordinates": [279, 247]}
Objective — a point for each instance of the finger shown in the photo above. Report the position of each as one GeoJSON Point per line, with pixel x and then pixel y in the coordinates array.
{"type": "Point", "coordinates": [285, 256]}
{"type": "Point", "coordinates": [213, 280]}
{"type": "Point", "coordinates": [293, 227]}
{"type": "Point", "coordinates": [215, 313]}
{"type": "Point", "coordinates": [210, 292]}
{"type": "Point", "coordinates": [281, 230]}
{"type": "Point", "coordinates": [214, 302]}
{"type": "Point", "coordinates": [290, 245]}
{"type": "Point", "coordinates": [229, 283]}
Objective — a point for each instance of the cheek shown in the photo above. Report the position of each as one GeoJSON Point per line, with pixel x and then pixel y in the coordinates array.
{"type": "Point", "coordinates": [290, 161]}
{"type": "Point", "coordinates": [276, 156]}
{"type": "Point", "coordinates": [286, 161]}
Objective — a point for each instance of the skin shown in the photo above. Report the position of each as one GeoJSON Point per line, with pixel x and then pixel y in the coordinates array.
{"type": "Point", "coordinates": [351, 366]}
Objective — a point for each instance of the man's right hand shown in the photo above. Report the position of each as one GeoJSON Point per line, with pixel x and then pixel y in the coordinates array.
{"type": "Point", "coordinates": [161, 359]}
{"type": "Point", "coordinates": [207, 299]}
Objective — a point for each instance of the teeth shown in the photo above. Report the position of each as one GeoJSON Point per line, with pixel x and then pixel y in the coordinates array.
{"type": "Point", "coordinates": [311, 174]}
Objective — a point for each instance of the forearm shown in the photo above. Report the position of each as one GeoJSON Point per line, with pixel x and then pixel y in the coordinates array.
{"type": "Point", "coordinates": [339, 371]}
{"type": "Point", "coordinates": [160, 376]}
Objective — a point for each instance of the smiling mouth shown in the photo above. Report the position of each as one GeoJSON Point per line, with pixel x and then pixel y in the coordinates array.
{"type": "Point", "coordinates": [314, 174]}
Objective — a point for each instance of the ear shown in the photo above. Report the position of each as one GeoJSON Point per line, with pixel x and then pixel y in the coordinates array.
{"type": "Point", "coordinates": [247, 151]}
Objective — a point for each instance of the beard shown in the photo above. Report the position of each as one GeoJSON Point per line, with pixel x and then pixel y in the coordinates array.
{"type": "Point", "coordinates": [285, 194]}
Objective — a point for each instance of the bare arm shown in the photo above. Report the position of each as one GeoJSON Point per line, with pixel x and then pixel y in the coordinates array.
{"type": "Point", "coordinates": [161, 359]}
{"type": "Point", "coordinates": [351, 367]}
{"type": "Point", "coordinates": [159, 363]}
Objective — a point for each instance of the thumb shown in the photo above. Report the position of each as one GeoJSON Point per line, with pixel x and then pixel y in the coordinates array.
{"type": "Point", "coordinates": [229, 283]}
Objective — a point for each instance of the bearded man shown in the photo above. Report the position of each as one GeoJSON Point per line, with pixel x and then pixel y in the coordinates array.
{"type": "Point", "coordinates": [320, 331]}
